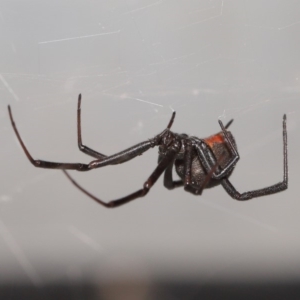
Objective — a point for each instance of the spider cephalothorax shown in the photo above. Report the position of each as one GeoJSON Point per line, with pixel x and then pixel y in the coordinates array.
{"type": "Point", "coordinates": [200, 163]}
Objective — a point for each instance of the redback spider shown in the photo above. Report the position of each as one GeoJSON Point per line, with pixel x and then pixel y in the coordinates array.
{"type": "Point", "coordinates": [200, 163]}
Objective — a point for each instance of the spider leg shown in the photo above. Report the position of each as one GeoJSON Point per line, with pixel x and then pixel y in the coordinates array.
{"type": "Point", "coordinates": [281, 186]}
{"type": "Point", "coordinates": [187, 186]}
{"type": "Point", "coordinates": [117, 158]}
{"type": "Point", "coordinates": [273, 189]}
{"type": "Point", "coordinates": [43, 163]}
{"type": "Point", "coordinates": [82, 147]}
{"type": "Point", "coordinates": [169, 183]}
{"type": "Point", "coordinates": [208, 159]}
{"type": "Point", "coordinates": [164, 163]}
{"type": "Point", "coordinates": [228, 124]}
{"type": "Point", "coordinates": [131, 152]}
{"type": "Point", "coordinates": [234, 151]}
{"type": "Point", "coordinates": [188, 170]}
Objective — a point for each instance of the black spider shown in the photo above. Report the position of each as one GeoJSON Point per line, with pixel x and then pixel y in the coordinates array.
{"type": "Point", "coordinates": [200, 163]}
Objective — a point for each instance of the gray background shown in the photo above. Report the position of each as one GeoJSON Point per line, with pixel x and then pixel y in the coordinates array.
{"type": "Point", "coordinates": [134, 61]}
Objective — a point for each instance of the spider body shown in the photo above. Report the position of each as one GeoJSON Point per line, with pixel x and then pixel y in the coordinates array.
{"type": "Point", "coordinates": [199, 163]}
{"type": "Point", "coordinates": [217, 146]}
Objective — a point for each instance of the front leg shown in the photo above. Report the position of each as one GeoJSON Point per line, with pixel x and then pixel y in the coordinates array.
{"type": "Point", "coordinates": [118, 158]}
{"type": "Point", "coordinates": [42, 163]}
{"type": "Point", "coordinates": [82, 147]}
{"type": "Point", "coordinates": [132, 152]}
{"type": "Point", "coordinates": [114, 159]}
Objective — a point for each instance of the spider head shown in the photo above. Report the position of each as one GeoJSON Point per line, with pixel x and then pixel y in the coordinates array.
{"type": "Point", "coordinates": [167, 140]}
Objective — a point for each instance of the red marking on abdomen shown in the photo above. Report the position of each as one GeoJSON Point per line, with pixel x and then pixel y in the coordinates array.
{"type": "Point", "coordinates": [217, 138]}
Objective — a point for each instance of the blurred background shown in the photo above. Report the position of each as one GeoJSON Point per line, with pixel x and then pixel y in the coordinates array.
{"type": "Point", "coordinates": [134, 61]}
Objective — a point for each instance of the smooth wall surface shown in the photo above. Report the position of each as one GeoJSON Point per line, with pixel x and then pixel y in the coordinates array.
{"type": "Point", "coordinates": [135, 61]}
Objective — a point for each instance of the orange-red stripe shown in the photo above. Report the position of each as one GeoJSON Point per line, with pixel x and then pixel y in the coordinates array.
{"type": "Point", "coordinates": [217, 138]}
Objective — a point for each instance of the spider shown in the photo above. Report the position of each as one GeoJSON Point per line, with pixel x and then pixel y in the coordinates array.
{"type": "Point", "coordinates": [200, 163]}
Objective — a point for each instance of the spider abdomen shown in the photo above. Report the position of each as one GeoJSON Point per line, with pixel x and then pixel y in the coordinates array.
{"type": "Point", "coordinates": [198, 175]}
{"type": "Point", "coordinates": [219, 149]}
